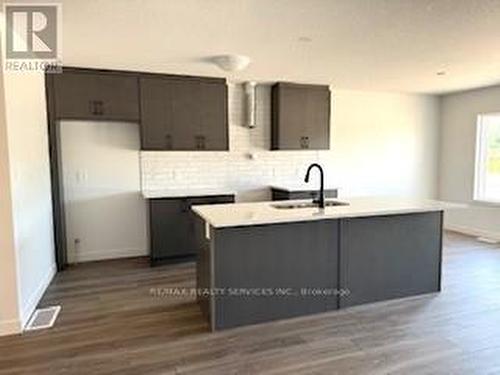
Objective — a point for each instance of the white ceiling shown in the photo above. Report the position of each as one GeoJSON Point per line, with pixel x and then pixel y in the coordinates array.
{"type": "Point", "coordinates": [393, 45]}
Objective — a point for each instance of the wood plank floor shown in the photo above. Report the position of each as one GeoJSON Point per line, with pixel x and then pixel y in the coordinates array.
{"type": "Point", "coordinates": [110, 323]}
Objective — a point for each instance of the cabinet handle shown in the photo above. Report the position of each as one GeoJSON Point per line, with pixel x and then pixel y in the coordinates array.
{"type": "Point", "coordinates": [97, 107]}
{"type": "Point", "coordinates": [100, 107]}
{"type": "Point", "coordinates": [168, 142]}
{"type": "Point", "coordinates": [200, 142]}
{"type": "Point", "coordinates": [186, 206]}
{"type": "Point", "coordinates": [304, 142]}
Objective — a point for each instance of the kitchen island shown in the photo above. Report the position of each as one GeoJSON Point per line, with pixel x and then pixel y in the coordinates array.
{"type": "Point", "coordinates": [273, 260]}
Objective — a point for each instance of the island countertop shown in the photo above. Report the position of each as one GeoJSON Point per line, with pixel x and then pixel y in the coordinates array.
{"type": "Point", "coordinates": [260, 213]}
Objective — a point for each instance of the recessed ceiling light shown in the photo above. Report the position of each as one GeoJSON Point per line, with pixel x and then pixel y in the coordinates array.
{"type": "Point", "coordinates": [441, 73]}
{"type": "Point", "coordinates": [304, 39]}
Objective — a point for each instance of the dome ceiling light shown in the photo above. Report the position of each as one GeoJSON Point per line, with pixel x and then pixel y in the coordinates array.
{"type": "Point", "coordinates": [231, 63]}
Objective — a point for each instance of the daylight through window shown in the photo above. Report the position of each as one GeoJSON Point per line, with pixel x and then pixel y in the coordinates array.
{"type": "Point", "coordinates": [487, 179]}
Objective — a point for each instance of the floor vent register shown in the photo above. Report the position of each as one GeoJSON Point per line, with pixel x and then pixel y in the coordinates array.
{"type": "Point", "coordinates": [43, 318]}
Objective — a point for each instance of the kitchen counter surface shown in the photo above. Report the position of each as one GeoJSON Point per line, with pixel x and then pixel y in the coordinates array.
{"type": "Point", "coordinates": [176, 193]}
{"type": "Point", "coordinates": [255, 213]}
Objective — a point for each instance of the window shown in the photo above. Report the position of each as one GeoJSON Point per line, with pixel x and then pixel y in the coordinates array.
{"type": "Point", "coordinates": [487, 178]}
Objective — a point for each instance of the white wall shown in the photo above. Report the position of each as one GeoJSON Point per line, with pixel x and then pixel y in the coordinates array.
{"type": "Point", "coordinates": [102, 190]}
{"type": "Point", "coordinates": [457, 157]}
{"type": "Point", "coordinates": [9, 309]}
{"type": "Point", "coordinates": [386, 144]}
{"type": "Point", "coordinates": [30, 186]}
{"type": "Point", "coordinates": [382, 144]}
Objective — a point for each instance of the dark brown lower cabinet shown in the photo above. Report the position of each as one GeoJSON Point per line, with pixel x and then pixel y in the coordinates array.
{"type": "Point", "coordinates": [321, 265]}
{"type": "Point", "coordinates": [387, 257]}
{"type": "Point", "coordinates": [174, 230]}
{"type": "Point", "coordinates": [286, 262]}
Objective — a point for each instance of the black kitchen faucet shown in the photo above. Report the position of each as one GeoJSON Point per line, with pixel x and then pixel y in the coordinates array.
{"type": "Point", "coordinates": [320, 200]}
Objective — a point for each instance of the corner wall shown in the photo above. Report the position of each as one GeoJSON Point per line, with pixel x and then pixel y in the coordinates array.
{"type": "Point", "coordinates": [457, 160]}
{"type": "Point", "coordinates": [9, 309]}
{"type": "Point", "coordinates": [30, 186]}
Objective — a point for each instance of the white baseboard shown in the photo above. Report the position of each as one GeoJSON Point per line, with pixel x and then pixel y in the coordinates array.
{"type": "Point", "coordinates": [89, 256]}
{"type": "Point", "coordinates": [474, 232]}
{"type": "Point", "coordinates": [36, 296]}
{"type": "Point", "coordinates": [10, 327]}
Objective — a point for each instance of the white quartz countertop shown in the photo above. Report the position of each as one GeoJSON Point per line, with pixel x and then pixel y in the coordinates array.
{"type": "Point", "coordinates": [244, 214]}
{"type": "Point", "coordinates": [179, 193]}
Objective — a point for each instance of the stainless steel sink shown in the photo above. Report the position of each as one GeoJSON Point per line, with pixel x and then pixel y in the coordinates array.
{"type": "Point", "coordinates": [290, 206]}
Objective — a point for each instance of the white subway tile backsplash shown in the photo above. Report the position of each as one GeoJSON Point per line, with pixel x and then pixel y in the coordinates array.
{"type": "Point", "coordinates": [248, 168]}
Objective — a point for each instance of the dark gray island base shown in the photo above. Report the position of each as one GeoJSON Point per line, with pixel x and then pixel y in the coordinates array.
{"type": "Point", "coordinates": [259, 273]}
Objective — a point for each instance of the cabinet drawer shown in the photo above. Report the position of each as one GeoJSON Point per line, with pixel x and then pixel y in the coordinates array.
{"type": "Point", "coordinates": [81, 95]}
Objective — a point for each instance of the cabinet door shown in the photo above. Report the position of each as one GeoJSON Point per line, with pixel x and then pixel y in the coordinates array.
{"type": "Point", "coordinates": [185, 114]}
{"type": "Point", "coordinates": [212, 106]}
{"type": "Point", "coordinates": [300, 117]}
{"type": "Point", "coordinates": [200, 115]}
{"type": "Point", "coordinates": [169, 228]}
{"type": "Point", "coordinates": [291, 255]}
{"type": "Point", "coordinates": [385, 257]}
{"type": "Point", "coordinates": [168, 114]}
{"type": "Point", "coordinates": [156, 109]}
{"type": "Point", "coordinates": [176, 231]}
{"type": "Point", "coordinates": [290, 132]}
{"type": "Point", "coordinates": [81, 95]}
{"type": "Point", "coordinates": [317, 110]}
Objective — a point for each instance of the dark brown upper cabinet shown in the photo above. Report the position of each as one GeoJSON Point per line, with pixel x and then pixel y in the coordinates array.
{"type": "Point", "coordinates": [300, 117]}
{"type": "Point", "coordinates": [183, 113]}
{"type": "Point", "coordinates": [94, 95]}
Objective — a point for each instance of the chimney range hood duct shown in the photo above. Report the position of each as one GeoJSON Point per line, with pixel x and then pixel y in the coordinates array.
{"type": "Point", "coordinates": [250, 89]}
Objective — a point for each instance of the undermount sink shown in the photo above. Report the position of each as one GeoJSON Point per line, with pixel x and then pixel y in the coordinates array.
{"type": "Point", "coordinates": [290, 206]}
